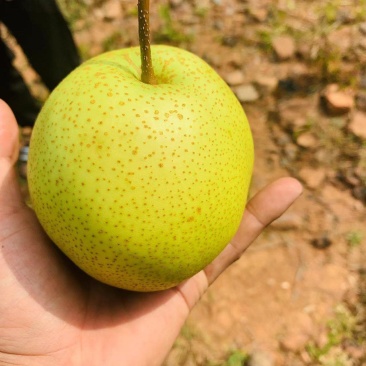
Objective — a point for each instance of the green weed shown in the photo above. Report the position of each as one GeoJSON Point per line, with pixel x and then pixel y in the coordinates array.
{"type": "Point", "coordinates": [237, 358]}
{"type": "Point", "coordinates": [354, 238]}
{"type": "Point", "coordinates": [201, 11]}
{"type": "Point", "coordinates": [188, 332]}
{"type": "Point", "coordinates": [340, 329]}
{"type": "Point", "coordinates": [169, 32]}
{"type": "Point", "coordinates": [73, 10]}
{"type": "Point", "coordinates": [112, 42]}
{"type": "Point", "coordinates": [84, 52]}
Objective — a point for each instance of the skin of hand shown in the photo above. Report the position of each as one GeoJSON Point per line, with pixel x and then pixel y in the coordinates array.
{"type": "Point", "coordinates": [53, 314]}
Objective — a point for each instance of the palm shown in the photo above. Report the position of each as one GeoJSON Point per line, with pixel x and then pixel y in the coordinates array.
{"type": "Point", "coordinates": [66, 312]}
{"type": "Point", "coordinates": [53, 314]}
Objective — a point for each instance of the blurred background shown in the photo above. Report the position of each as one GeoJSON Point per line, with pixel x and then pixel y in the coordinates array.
{"type": "Point", "coordinates": [298, 296]}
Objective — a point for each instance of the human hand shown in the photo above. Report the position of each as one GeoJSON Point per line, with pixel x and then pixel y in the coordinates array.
{"type": "Point", "coordinates": [51, 313]}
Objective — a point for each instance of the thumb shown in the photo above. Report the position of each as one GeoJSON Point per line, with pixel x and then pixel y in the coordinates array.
{"type": "Point", "coordinates": [9, 134]}
{"type": "Point", "coordinates": [10, 195]}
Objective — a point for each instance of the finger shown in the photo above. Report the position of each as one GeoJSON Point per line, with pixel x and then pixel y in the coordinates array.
{"type": "Point", "coordinates": [266, 206]}
{"type": "Point", "coordinates": [9, 134]}
{"type": "Point", "coordinates": [10, 196]}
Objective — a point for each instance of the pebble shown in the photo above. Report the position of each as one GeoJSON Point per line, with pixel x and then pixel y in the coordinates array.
{"type": "Point", "coordinates": [112, 10]}
{"type": "Point", "coordinates": [358, 125]}
{"type": "Point", "coordinates": [266, 84]}
{"type": "Point", "coordinates": [337, 102]}
{"type": "Point", "coordinates": [313, 178]}
{"type": "Point", "coordinates": [260, 358]}
{"type": "Point", "coordinates": [246, 93]}
{"type": "Point", "coordinates": [259, 14]}
{"type": "Point", "coordinates": [284, 47]}
{"type": "Point", "coordinates": [175, 3]}
{"type": "Point", "coordinates": [307, 140]}
{"type": "Point", "coordinates": [235, 78]}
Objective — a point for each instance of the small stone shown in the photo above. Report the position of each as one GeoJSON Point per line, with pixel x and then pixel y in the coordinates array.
{"type": "Point", "coordinates": [259, 14]}
{"type": "Point", "coordinates": [357, 125]}
{"type": "Point", "coordinates": [294, 342]}
{"type": "Point", "coordinates": [266, 84]}
{"type": "Point", "coordinates": [307, 140]}
{"type": "Point", "coordinates": [246, 93]}
{"type": "Point", "coordinates": [235, 78]}
{"type": "Point", "coordinates": [284, 47]}
{"type": "Point", "coordinates": [112, 10]}
{"type": "Point", "coordinates": [313, 178]}
{"type": "Point", "coordinates": [260, 358]}
{"type": "Point", "coordinates": [175, 3]}
{"type": "Point", "coordinates": [337, 102]}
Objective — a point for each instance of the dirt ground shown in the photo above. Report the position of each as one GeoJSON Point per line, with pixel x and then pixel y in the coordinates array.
{"type": "Point", "coordinates": [297, 297]}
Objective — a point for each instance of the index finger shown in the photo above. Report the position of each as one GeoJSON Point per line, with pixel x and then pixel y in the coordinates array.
{"type": "Point", "coordinates": [266, 206]}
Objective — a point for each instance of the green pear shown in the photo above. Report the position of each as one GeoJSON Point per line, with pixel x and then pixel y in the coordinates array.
{"type": "Point", "coordinates": [141, 185]}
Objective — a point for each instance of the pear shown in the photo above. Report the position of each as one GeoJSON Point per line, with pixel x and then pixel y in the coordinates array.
{"type": "Point", "coordinates": [141, 185]}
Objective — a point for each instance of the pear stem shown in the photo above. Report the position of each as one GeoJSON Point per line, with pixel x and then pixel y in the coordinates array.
{"type": "Point", "coordinates": [147, 71]}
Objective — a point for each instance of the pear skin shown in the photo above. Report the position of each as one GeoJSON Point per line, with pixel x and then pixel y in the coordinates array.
{"type": "Point", "coordinates": [140, 185]}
